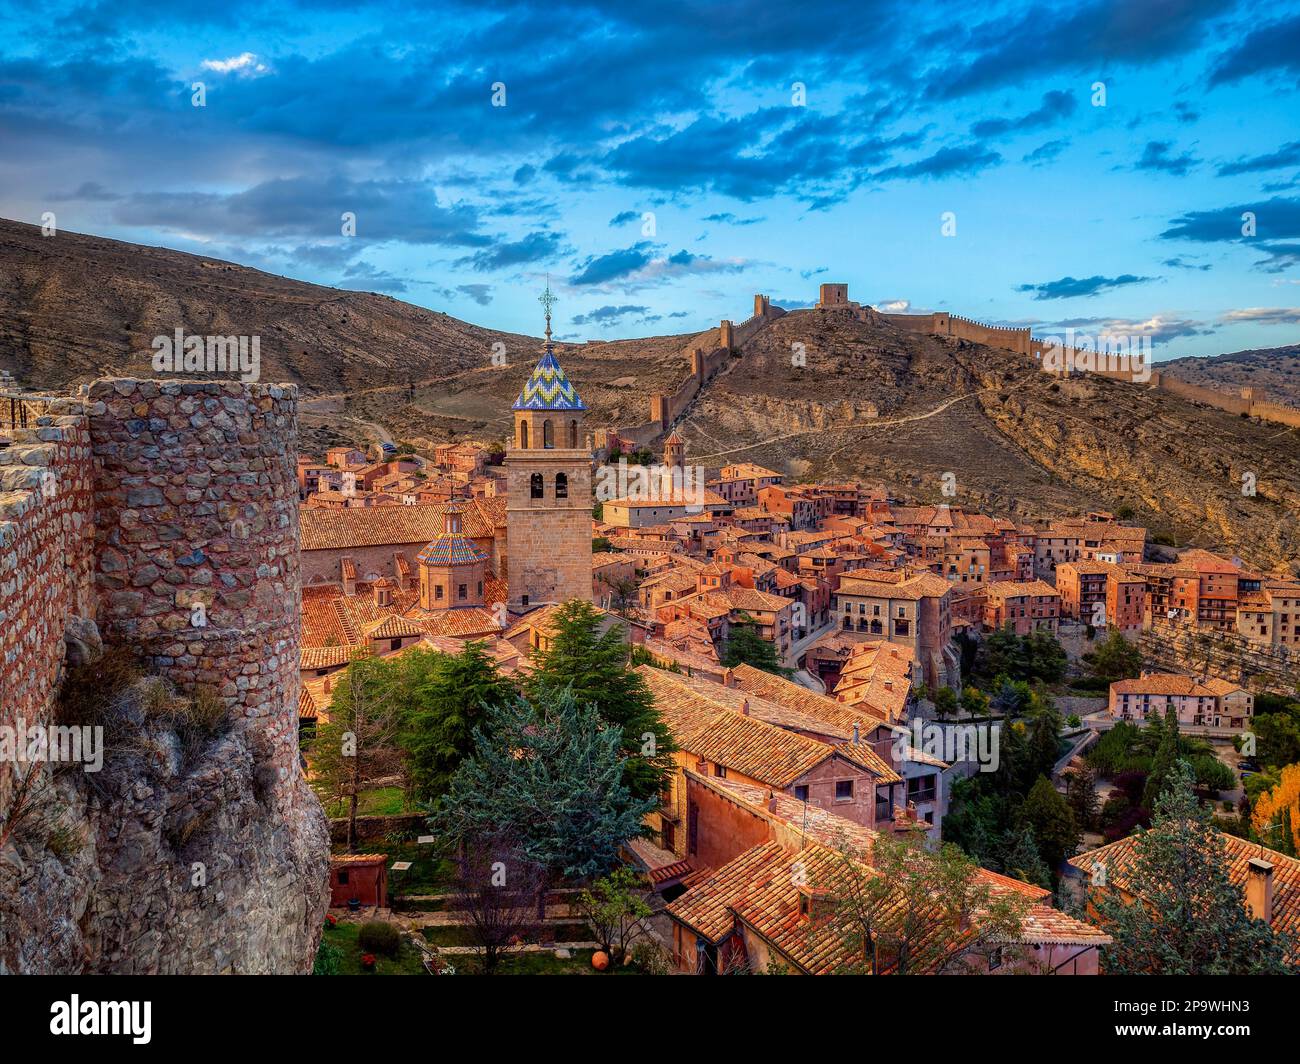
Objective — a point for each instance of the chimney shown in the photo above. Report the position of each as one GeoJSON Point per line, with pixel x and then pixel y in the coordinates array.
{"type": "Point", "coordinates": [728, 678]}
{"type": "Point", "coordinates": [1259, 889]}
{"type": "Point", "coordinates": [744, 706]}
{"type": "Point", "coordinates": [855, 733]}
{"type": "Point", "coordinates": [328, 685]}
{"type": "Point", "coordinates": [771, 804]}
{"type": "Point", "coordinates": [889, 685]}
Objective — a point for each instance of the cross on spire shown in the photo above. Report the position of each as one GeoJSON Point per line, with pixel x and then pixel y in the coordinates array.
{"type": "Point", "coordinates": [547, 300]}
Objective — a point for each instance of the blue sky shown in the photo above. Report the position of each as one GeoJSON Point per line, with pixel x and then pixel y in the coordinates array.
{"type": "Point", "coordinates": [1124, 217]}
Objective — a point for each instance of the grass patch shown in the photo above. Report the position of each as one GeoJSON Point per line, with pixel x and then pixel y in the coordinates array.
{"type": "Point", "coordinates": [343, 937]}
{"type": "Point", "coordinates": [429, 873]}
{"type": "Point", "coordinates": [381, 801]}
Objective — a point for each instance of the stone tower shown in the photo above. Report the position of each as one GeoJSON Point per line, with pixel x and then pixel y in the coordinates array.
{"type": "Point", "coordinates": [548, 477]}
{"type": "Point", "coordinates": [674, 452]}
{"type": "Point", "coordinates": [451, 567]}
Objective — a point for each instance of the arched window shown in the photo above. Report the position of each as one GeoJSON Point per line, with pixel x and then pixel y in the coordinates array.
{"type": "Point", "coordinates": [548, 434]}
{"type": "Point", "coordinates": [523, 435]}
{"type": "Point", "coordinates": [573, 434]}
{"type": "Point", "coordinates": [535, 486]}
{"type": "Point", "coordinates": [561, 486]}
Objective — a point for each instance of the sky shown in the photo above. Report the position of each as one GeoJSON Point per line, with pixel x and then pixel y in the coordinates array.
{"type": "Point", "coordinates": [1079, 165]}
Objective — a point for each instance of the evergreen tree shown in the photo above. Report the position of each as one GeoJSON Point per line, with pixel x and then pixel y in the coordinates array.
{"type": "Point", "coordinates": [1021, 859]}
{"type": "Point", "coordinates": [444, 698]}
{"type": "Point", "coordinates": [595, 668]}
{"type": "Point", "coordinates": [1190, 918]}
{"type": "Point", "coordinates": [747, 647]}
{"type": "Point", "coordinates": [1081, 795]}
{"type": "Point", "coordinates": [1052, 822]}
{"type": "Point", "coordinates": [1167, 756]}
{"type": "Point", "coordinates": [546, 779]}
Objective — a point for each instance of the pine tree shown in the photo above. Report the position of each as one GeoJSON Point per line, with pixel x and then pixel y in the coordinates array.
{"type": "Point", "coordinates": [547, 779]}
{"type": "Point", "coordinates": [1052, 822]}
{"type": "Point", "coordinates": [595, 668]}
{"type": "Point", "coordinates": [1021, 859]}
{"type": "Point", "coordinates": [444, 697]}
{"type": "Point", "coordinates": [1189, 918]}
{"type": "Point", "coordinates": [1081, 795]}
{"type": "Point", "coordinates": [1167, 756]}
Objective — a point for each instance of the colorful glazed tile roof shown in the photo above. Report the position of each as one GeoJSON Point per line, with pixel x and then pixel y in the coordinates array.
{"type": "Point", "coordinates": [451, 548]}
{"type": "Point", "coordinates": [548, 388]}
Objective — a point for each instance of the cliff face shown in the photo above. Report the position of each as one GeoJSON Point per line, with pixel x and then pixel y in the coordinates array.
{"type": "Point", "coordinates": [179, 857]}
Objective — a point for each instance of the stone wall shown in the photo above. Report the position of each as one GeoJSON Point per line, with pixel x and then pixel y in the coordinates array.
{"type": "Point", "coordinates": [46, 534]}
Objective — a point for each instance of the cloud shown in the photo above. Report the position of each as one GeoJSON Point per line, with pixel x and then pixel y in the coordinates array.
{"type": "Point", "coordinates": [1156, 156]}
{"type": "Point", "coordinates": [645, 264]}
{"type": "Point", "coordinates": [535, 247]}
{"type": "Point", "coordinates": [1263, 315]}
{"type": "Point", "coordinates": [608, 315]}
{"type": "Point", "coordinates": [88, 191]}
{"type": "Point", "coordinates": [727, 218]}
{"type": "Point", "coordinates": [623, 217]}
{"type": "Point", "coordinates": [1045, 153]}
{"type": "Point", "coordinates": [1272, 47]}
{"type": "Point", "coordinates": [893, 306]}
{"type": "Point", "coordinates": [1161, 328]}
{"type": "Point", "coordinates": [1287, 155]}
{"type": "Point", "coordinates": [1180, 263]}
{"type": "Point", "coordinates": [246, 65]}
{"type": "Point", "coordinates": [946, 162]}
{"type": "Point", "coordinates": [1056, 105]}
{"type": "Point", "coordinates": [601, 269]}
{"type": "Point", "coordinates": [1072, 287]}
{"type": "Point", "coordinates": [480, 293]}
{"type": "Point", "coordinates": [1277, 220]}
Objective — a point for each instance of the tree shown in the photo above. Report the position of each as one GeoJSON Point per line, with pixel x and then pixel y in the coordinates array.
{"type": "Point", "coordinates": [975, 701]}
{"type": "Point", "coordinates": [906, 910]}
{"type": "Point", "coordinates": [1081, 795]}
{"type": "Point", "coordinates": [1052, 822]}
{"type": "Point", "coordinates": [1190, 918]}
{"type": "Point", "coordinates": [747, 647]}
{"type": "Point", "coordinates": [615, 907]}
{"type": "Point", "coordinates": [945, 702]}
{"type": "Point", "coordinates": [595, 668]}
{"type": "Point", "coordinates": [1021, 859]}
{"type": "Point", "coordinates": [1045, 656]}
{"type": "Point", "coordinates": [1276, 816]}
{"type": "Point", "coordinates": [1116, 659]}
{"type": "Point", "coordinates": [547, 779]}
{"type": "Point", "coordinates": [358, 744]}
{"type": "Point", "coordinates": [497, 889]}
{"type": "Point", "coordinates": [1168, 752]}
{"type": "Point", "coordinates": [444, 698]}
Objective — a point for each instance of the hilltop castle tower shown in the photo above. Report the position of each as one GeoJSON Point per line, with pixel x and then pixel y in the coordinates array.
{"type": "Point", "coordinates": [548, 478]}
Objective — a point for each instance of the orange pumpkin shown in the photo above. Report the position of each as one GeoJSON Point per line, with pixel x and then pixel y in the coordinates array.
{"type": "Point", "coordinates": [600, 960]}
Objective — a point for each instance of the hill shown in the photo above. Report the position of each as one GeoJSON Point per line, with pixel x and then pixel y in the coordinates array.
{"type": "Point", "coordinates": [872, 402]}
{"type": "Point", "coordinates": [1274, 372]}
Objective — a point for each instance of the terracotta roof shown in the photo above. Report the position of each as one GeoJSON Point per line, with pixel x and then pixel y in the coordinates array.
{"type": "Point", "coordinates": [704, 724]}
{"type": "Point", "coordinates": [1166, 683]}
{"type": "Point", "coordinates": [328, 657]}
{"type": "Point", "coordinates": [1118, 859]}
{"type": "Point", "coordinates": [324, 529]}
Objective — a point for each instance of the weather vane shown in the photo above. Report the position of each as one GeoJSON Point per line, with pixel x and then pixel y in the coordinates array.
{"type": "Point", "coordinates": [547, 300]}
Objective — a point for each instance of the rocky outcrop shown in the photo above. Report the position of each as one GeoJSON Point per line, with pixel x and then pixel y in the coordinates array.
{"type": "Point", "coordinates": [173, 859]}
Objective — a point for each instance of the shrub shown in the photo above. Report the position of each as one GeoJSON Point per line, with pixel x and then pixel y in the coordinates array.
{"type": "Point", "coordinates": [328, 958]}
{"type": "Point", "coordinates": [89, 690]}
{"type": "Point", "coordinates": [379, 937]}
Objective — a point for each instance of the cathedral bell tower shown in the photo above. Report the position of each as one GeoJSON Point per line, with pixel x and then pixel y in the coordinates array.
{"type": "Point", "coordinates": [548, 478]}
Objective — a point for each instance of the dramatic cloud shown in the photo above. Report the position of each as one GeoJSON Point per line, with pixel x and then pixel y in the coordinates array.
{"type": "Point", "coordinates": [1160, 328]}
{"type": "Point", "coordinates": [535, 247]}
{"type": "Point", "coordinates": [608, 315]}
{"type": "Point", "coordinates": [1072, 288]}
{"type": "Point", "coordinates": [947, 162]}
{"type": "Point", "coordinates": [1274, 47]}
{"type": "Point", "coordinates": [1276, 221]}
{"type": "Point", "coordinates": [601, 269]}
{"type": "Point", "coordinates": [480, 293]}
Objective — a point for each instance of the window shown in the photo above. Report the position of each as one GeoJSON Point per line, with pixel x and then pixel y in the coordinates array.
{"type": "Point", "coordinates": [343, 877]}
{"type": "Point", "coordinates": [394, 644]}
{"type": "Point", "coordinates": [720, 771]}
{"type": "Point", "coordinates": [437, 591]}
{"type": "Point", "coordinates": [573, 434]}
{"type": "Point", "coordinates": [561, 486]}
{"type": "Point", "coordinates": [548, 434]}
{"type": "Point", "coordinates": [524, 600]}
{"type": "Point", "coordinates": [462, 592]}
{"type": "Point", "coordinates": [843, 790]}
{"type": "Point", "coordinates": [801, 792]}
{"type": "Point", "coordinates": [536, 490]}
{"type": "Point", "coordinates": [523, 435]}
{"type": "Point", "coordinates": [480, 587]}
